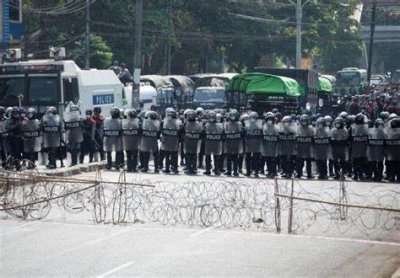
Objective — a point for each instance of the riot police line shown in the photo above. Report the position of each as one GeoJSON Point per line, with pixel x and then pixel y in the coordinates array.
{"type": "Point", "coordinates": [227, 143]}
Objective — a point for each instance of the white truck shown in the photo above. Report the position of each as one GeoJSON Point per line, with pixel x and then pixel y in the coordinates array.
{"type": "Point", "coordinates": [42, 83]}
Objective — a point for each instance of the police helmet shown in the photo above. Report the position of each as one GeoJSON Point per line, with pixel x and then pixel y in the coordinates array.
{"type": "Point", "coordinates": [31, 112]}
{"type": "Point", "coordinates": [304, 119]}
{"type": "Point", "coordinates": [219, 118]}
{"type": "Point", "coordinates": [287, 120]}
{"type": "Point", "coordinates": [171, 113]}
{"type": "Point", "coordinates": [199, 110]}
{"type": "Point", "coordinates": [152, 115]}
{"type": "Point", "coordinates": [395, 123]}
{"type": "Point", "coordinates": [142, 114]}
{"type": "Point", "coordinates": [131, 113]}
{"type": "Point", "coordinates": [359, 119]}
{"type": "Point", "coordinates": [328, 119]}
{"type": "Point", "coordinates": [191, 115]}
{"type": "Point", "coordinates": [392, 116]}
{"type": "Point", "coordinates": [114, 112]}
{"type": "Point", "coordinates": [212, 116]}
{"type": "Point", "coordinates": [320, 122]}
{"type": "Point", "coordinates": [275, 110]}
{"type": "Point", "coordinates": [339, 122]}
{"type": "Point", "coordinates": [379, 123]}
{"type": "Point", "coordinates": [234, 115]}
{"type": "Point", "coordinates": [270, 118]}
{"type": "Point", "coordinates": [244, 117]}
{"type": "Point", "coordinates": [343, 115]}
{"type": "Point", "coordinates": [384, 115]}
{"type": "Point", "coordinates": [253, 115]}
{"type": "Point", "coordinates": [51, 110]}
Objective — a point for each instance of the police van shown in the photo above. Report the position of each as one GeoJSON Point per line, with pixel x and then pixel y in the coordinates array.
{"type": "Point", "coordinates": [54, 82]}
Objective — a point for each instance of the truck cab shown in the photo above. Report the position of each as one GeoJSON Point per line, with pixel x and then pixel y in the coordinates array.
{"type": "Point", "coordinates": [42, 83]}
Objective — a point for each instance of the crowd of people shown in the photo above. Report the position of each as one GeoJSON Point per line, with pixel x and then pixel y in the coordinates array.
{"type": "Point", "coordinates": [222, 142]}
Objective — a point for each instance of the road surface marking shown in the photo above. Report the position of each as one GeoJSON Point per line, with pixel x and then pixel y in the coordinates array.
{"type": "Point", "coordinates": [202, 231]}
{"type": "Point", "coordinates": [114, 270]}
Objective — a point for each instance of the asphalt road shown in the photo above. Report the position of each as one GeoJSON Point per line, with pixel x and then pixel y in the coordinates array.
{"type": "Point", "coordinates": [72, 246]}
{"type": "Point", "coordinates": [49, 249]}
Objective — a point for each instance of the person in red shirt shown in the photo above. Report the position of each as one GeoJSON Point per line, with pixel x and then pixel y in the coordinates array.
{"type": "Point", "coordinates": [97, 131]}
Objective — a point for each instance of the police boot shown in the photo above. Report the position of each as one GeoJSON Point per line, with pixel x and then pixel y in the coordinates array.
{"type": "Point", "coordinates": [145, 162]}
{"type": "Point", "coordinates": [167, 157]}
{"type": "Point", "coordinates": [174, 162]}
{"type": "Point", "coordinates": [74, 158]}
{"type": "Point", "coordinates": [156, 160]}
{"type": "Point", "coordinates": [235, 166]}
{"type": "Point", "coordinates": [208, 165]}
{"type": "Point", "coordinates": [119, 157]}
{"type": "Point", "coordinates": [134, 160]}
{"type": "Point", "coordinates": [109, 161]}
{"type": "Point", "coordinates": [52, 159]}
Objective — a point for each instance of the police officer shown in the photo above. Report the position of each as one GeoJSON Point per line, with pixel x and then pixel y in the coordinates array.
{"type": "Point", "coordinates": [339, 143]}
{"type": "Point", "coordinates": [203, 119]}
{"type": "Point", "coordinates": [213, 143]}
{"type": "Point", "coordinates": [328, 122]}
{"type": "Point", "coordinates": [243, 118]}
{"type": "Point", "coordinates": [51, 128]}
{"type": "Point", "coordinates": [304, 142]}
{"type": "Point", "coordinates": [73, 131]}
{"type": "Point", "coordinates": [253, 139]}
{"type": "Point", "coordinates": [170, 137]}
{"type": "Point", "coordinates": [193, 131]}
{"type": "Point", "coordinates": [233, 130]}
{"type": "Point", "coordinates": [31, 136]}
{"type": "Point", "coordinates": [269, 148]}
{"type": "Point", "coordinates": [149, 140]}
{"type": "Point", "coordinates": [14, 129]}
{"type": "Point", "coordinates": [375, 150]}
{"type": "Point", "coordinates": [321, 146]}
{"type": "Point", "coordinates": [359, 141]}
{"type": "Point", "coordinates": [88, 146]}
{"type": "Point", "coordinates": [131, 130]}
{"type": "Point", "coordinates": [112, 138]}
{"type": "Point", "coordinates": [287, 144]}
{"type": "Point", "coordinates": [97, 131]}
{"type": "Point", "coordinates": [393, 150]}
{"type": "Point", "coordinates": [4, 146]}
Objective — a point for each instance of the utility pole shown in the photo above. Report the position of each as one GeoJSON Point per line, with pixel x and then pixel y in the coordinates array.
{"type": "Point", "coordinates": [299, 18]}
{"type": "Point", "coordinates": [137, 61]}
{"type": "Point", "coordinates": [87, 36]}
{"type": "Point", "coordinates": [169, 37]}
{"type": "Point", "coordinates": [371, 41]}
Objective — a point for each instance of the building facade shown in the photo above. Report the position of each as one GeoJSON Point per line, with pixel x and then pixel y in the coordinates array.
{"type": "Point", "coordinates": [11, 22]}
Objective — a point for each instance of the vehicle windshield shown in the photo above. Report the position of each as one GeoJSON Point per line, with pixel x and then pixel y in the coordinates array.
{"type": "Point", "coordinates": [209, 95]}
{"type": "Point", "coordinates": [43, 88]}
{"type": "Point", "coordinates": [11, 88]}
{"type": "Point", "coordinates": [345, 79]}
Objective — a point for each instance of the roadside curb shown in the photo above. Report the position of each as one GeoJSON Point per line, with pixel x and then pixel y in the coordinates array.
{"type": "Point", "coordinates": [75, 170]}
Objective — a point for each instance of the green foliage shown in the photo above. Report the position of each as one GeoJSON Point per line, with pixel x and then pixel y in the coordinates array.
{"type": "Point", "coordinates": [100, 53]}
{"type": "Point", "coordinates": [202, 35]}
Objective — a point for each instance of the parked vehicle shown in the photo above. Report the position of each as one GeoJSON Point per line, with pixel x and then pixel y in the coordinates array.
{"type": "Point", "coordinates": [263, 92]}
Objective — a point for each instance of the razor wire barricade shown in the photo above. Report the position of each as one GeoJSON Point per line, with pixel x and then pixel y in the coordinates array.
{"type": "Point", "coordinates": [340, 209]}
{"type": "Point", "coordinates": [219, 203]}
{"type": "Point", "coordinates": [243, 203]}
